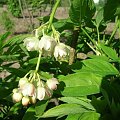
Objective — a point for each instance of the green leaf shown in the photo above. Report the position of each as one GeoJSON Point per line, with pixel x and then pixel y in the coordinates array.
{"type": "Point", "coordinates": [9, 57]}
{"type": "Point", "coordinates": [117, 11]}
{"type": "Point", "coordinates": [24, 49]}
{"type": "Point", "coordinates": [84, 116]}
{"type": "Point", "coordinates": [73, 117]}
{"type": "Point", "coordinates": [3, 37]}
{"type": "Point", "coordinates": [99, 105]}
{"type": "Point", "coordinates": [90, 116]}
{"type": "Point", "coordinates": [109, 52]}
{"type": "Point", "coordinates": [64, 109]}
{"type": "Point", "coordinates": [77, 11]}
{"type": "Point", "coordinates": [79, 84]}
{"type": "Point", "coordinates": [63, 24]}
{"type": "Point", "coordinates": [34, 60]}
{"type": "Point", "coordinates": [99, 67]}
{"type": "Point", "coordinates": [30, 114]}
{"type": "Point", "coordinates": [110, 9]}
{"type": "Point", "coordinates": [45, 75]}
{"type": "Point", "coordinates": [99, 17]}
{"type": "Point", "coordinates": [78, 100]}
{"type": "Point", "coordinates": [40, 107]}
{"type": "Point", "coordinates": [105, 58]}
{"type": "Point", "coordinates": [15, 40]}
{"type": "Point", "coordinates": [14, 109]}
{"type": "Point", "coordinates": [81, 9]}
{"type": "Point", "coordinates": [5, 91]}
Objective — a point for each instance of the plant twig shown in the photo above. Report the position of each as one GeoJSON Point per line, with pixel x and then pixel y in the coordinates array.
{"type": "Point", "coordinates": [53, 13]}
{"type": "Point", "coordinates": [73, 45]}
{"type": "Point", "coordinates": [89, 36]}
{"type": "Point", "coordinates": [38, 62]}
{"type": "Point", "coordinates": [114, 31]}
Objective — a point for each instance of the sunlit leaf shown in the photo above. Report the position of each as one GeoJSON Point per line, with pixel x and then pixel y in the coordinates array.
{"type": "Point", "coordinates": [64, 109]}
{"type": "Point", "coordinates": [80, 84]}
{"type": "Point", "coordinates": [78, 100]}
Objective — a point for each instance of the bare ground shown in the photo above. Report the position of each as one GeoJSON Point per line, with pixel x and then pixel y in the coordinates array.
{"type": "Point", "coordinates": [23, 25]}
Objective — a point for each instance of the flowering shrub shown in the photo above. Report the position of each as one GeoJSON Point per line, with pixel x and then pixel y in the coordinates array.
{"type": "Point", "coordinates": [75, 79]}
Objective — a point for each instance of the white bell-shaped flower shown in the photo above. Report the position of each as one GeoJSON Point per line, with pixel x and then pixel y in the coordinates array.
{"type": "Point", "coordinates": [17, 97]}
{"type": "Point", "coordinates": [52, 83]}
{"type": "Point", "coordinates": [28, 89]}
{"type": "Point", "coordinates": [47, 44]}
{"type": "Point", "coordinates": [22, 81]}
{"type": "Point", "coordinates": [40, 93]}
{"type": "Point", "coordinates": [31, 43]}
{"type": "Point", "coordinates": [15, 90]}
{"type": "Point", "coordinates": [61, 51]}
{"type": "Point", "coordinates": [25, 101]}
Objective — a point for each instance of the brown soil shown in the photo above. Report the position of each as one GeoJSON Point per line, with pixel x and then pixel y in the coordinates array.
{"type": "Point", "coordinates": [23, 25]}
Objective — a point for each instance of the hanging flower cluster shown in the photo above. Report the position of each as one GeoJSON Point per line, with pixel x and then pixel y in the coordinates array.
{"type": "Point", "coordinates": [50, 46]}
{"type": "Point", "coordinates": [32, 88]}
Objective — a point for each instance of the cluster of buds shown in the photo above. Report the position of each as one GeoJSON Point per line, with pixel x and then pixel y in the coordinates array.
{"type": "Point", "coordinates": [29, 91]}
{"type": "Point", "coordinates": [49, 47]}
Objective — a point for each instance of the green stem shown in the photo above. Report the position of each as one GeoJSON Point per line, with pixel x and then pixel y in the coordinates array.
{"type": "Point", "coordinates": [98, 35]}
{"type": "Point", "coordinates": [114, 31]}
{"type": "Point", "coordinates": [38, 62]}
{"type": "Point", "coordinates": [89, 36]}
{"type": "Point", "coordinates": [97, 52]}
{"type": "Point", "coordinates": [56, 34]}
{"type": "Point", "coordinates": [92, 40]}
{"type": "Point", "coordinates": [53, 13]}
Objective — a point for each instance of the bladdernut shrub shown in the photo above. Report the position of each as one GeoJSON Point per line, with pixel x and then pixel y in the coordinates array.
{"type": "Point", "coordinates": [31, 87]}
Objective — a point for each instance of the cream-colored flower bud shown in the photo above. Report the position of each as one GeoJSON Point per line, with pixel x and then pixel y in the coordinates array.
{"type": "Point", "coordinates": [52, 83]}
{"type": "Point", "coordinates": [28, 89]}
{"type": "Point", "coordinates": [61, 51]}
{"type": "Point", "coordinates": [17, 97]}
{"type": "Point", "coordinates": [25, 101]}
{"type": "Point", "coordinates": [15, 90]}
{"type": "Point", "coordinates": [47, 44]}
{"type": "Point", "coordinates": [22, 82]}
{"type": "Point", "coordinates": [40, 93]}
{"type": "Point", "coordinates": [31, 43]}
{"type": "Point", "coordinates": [33, 99]}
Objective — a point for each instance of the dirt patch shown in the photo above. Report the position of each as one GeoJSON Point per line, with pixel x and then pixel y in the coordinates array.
{"type": "Point", "coordinates": [23, 25]}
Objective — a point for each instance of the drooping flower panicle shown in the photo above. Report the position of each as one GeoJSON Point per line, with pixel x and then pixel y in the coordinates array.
{"type": "Point", "coordinates": [29, 91]}
{"type": "Point", "coordinates": [49, 47]}
{"type": "Point", "coordinates": [31, 88]}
